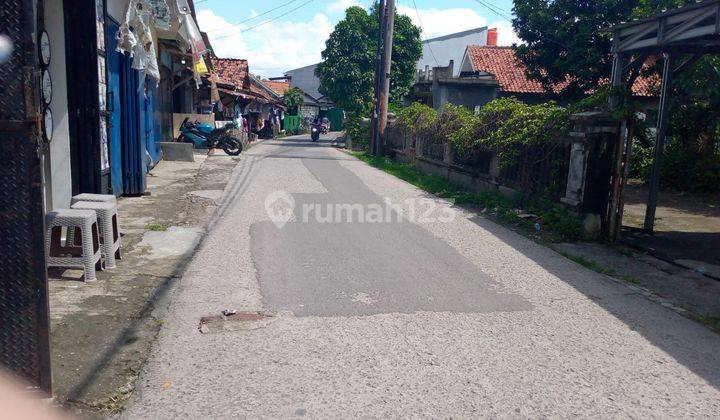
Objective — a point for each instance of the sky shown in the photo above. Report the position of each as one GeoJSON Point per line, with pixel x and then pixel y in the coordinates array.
{"type": "Point", "coordinates": [280, 35]}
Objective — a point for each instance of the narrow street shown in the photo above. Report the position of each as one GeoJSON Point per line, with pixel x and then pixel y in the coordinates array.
{"type": "Point", "coordinates": [436, 313]}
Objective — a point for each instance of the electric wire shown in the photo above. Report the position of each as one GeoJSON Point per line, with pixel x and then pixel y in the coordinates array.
{"type": "Point", "coordinates": [253, 17]}
{"type": "Point", "coordinates": [422, 28]}
{"type": "Point", "coordinates": [264, 22]}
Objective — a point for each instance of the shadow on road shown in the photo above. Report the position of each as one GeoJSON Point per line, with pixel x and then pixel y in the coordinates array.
{"type": "Point", "coordinates": [691, 344]}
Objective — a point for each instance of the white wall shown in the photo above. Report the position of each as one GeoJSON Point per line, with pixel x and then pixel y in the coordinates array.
{"type": "Point", "coordinates": [450, 47]}
{"type": "Point", "coordinates": [60, 179]}
{"type": "Point", "coordinates": [305, 79]}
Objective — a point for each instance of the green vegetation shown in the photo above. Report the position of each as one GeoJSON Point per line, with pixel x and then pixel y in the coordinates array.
{"type": "Point", "coordinates": [157, 227]}
{"type": "Point", "coordinates": [505, 126]}
{"type": "Point", "coordinates": [508, 125]}
{"type": "Point", "coordinates": [565, 44]}
{"type": "Point", "coordinates": [360, 135]}
{"type": "Point", "coordinates": [557, 223]}
{"type": "Point", "coordinates": [565, 41]}
{"type": "Point", "coordinates": [712, 322]}
{"type": "Point", "coordinates": [347, 71]}
{"type": "Point", "coordinates": [416, 117]}
{"type": "Point", "coordinates": [292, 99]}
{"type": "Point", "coordinates": [591, 265]}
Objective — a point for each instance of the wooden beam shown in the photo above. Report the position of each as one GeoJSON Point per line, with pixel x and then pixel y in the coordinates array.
{"type": "Point", "coordinates": [182, 82]}
{"type": "Point", "coordinates": [663, 114]}
{"type": "Point", "coordinates": [688, 23]}
{"type": "Point", "coordinates": [634, 70]}
{"type": "Point", "coordinates": [688, 63]}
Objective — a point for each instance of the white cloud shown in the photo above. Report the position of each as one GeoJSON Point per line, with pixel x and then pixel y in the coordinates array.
{"type": "Point", "coordinates": [506, 34]}
{"type": "Point", "coordinates": [438, 22]}
{"type": "Point", "coordinates": [340, 6]}
{"type": "Point", "coordinates": [270, 49]}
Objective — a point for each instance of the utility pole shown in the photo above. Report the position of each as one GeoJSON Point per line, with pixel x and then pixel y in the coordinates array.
{"type": "Point", "coordinates": [386, 62]}
{"type": "Point", "coordinates": [374, 124]}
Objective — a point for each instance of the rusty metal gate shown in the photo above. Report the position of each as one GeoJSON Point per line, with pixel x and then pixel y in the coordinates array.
{"type": "Point", "coordinates": [24, 324]}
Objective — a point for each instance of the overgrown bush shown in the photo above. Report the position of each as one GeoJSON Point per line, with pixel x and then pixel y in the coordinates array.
{"type": "Point", "coordinates": [359, 135]}
{"type": "Point", "coordinates": [529, 125]}
{"type": "Point", "coordinates": [680, 169]}
{"type": "Point", "coordinates": [415, 117]}
{"type": "Point", "coordinates": [451, 119]}
{"type": "Point", "coordinates": [475, 135]}
{"type": "Point", "coordinates": [507, 126]}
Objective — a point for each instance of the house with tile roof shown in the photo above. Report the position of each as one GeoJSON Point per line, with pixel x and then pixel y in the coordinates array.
{"type": "Point", "coordinates": [271, 88]}
{"type": "Point", "coordinates": [502, 64]}
{"type": "Point", "coordinates": [489, 72]}
{"type": "Point", "coordinates": [236, 86]}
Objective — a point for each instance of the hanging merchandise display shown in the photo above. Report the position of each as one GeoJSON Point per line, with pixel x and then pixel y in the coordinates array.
{"type": "Point", "coordinates": [141, 16]}
{"type": "Point", "coordinates": [190, 34]}
{"type": "Point", "coordinates": [162, 15]}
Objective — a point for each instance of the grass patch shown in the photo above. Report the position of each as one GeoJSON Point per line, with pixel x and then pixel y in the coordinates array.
{"type": "Point", "coordinates": [557, 224]}
{"type": "Point", "coordinates": [157, 227]}
{"type": "Point", "coordinates": [712, 322]}
{"type": "Point", "coordinates": [591, 265]}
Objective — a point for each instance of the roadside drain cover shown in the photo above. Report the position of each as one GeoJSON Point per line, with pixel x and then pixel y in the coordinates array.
{"type": "Point", "coordinates": [231, 320]}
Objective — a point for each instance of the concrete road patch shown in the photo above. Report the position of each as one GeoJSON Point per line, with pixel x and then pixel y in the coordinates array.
{"type": "Point", "coordinates": [174, 242]}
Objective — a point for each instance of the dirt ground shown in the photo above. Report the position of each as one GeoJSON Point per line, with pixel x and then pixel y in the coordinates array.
{"type": "Point", "coordinates": [687, 227]}
{"type": "Point", "coordinates": [101, 331]}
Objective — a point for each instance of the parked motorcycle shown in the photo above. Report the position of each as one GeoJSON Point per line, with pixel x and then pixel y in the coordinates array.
{"type": "Point", "coordinates": [204, 135]}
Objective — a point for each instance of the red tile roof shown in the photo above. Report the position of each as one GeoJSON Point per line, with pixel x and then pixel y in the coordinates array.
{"type": "Point", "coordinates": [278, 87]}
{"type": "Point", "coordinates": [232, 71]}
{"type": "Point", "coordinates": [259, 92]}
{"type": "Point", "coordinates": [510, 72]}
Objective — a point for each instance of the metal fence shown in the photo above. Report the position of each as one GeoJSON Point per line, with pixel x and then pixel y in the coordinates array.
{"type": "Point", "coordinates": [539, 170]}
{"type": "Point", "coordinates": [478, 160]}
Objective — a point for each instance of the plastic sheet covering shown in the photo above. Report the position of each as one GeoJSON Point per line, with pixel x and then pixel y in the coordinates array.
{"type": "Point", "coordinates": [190, 34]}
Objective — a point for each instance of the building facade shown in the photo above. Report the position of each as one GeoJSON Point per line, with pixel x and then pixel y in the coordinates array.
{"type": "Point", "coordinates": [106, 134]}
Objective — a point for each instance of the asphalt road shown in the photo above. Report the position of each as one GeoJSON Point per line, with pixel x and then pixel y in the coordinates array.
{"type": "Point", "coordinates": [383, 301]}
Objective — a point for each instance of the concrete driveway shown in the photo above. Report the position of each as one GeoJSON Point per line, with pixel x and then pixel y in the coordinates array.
{"type": "Point", "coordinates": [377, 300]}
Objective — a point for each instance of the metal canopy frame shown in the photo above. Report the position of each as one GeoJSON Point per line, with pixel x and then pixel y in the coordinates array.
{"type": "Point", "coordinates": [692, 30]}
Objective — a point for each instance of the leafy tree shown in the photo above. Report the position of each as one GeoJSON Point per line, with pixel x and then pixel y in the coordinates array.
{"type": "Point", "coordinates": [564, 41]}
{"type": "Point", "coordinates": [292, 99]}
{"type": "Point", "coordinates": [564, 38]}
{"type": "Point", "coordinates": [347, 72]}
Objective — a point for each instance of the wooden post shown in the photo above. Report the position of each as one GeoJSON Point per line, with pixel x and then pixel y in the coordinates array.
{"type": "Point", "coordinates": [374, 123]}
{"type": "Point", "coordinates": [612, 219]}
{"type": "Point", "coordinates": [386, 63]}
{"type": "Point", "coordinates": [661, 133]}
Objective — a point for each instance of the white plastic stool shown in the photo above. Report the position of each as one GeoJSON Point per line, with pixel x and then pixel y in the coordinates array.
{"type": "Point", "coordinates": [87, 254]}
{"type": "Point", "coordinates": [103, 198]}
{"type": "Point", "coordinates": [109, 234]}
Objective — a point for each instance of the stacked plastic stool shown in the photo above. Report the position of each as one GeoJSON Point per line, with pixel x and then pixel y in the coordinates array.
{"type": "Point", "coordinates": [103, 198]}
{"type": "Point", "coordinates": [83, 252]}
{"type": "Point", "coordinates": [106, 213]}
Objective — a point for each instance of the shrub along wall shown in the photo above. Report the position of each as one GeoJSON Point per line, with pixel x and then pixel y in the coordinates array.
{"type": "Point", "coordinates": [507, 144]}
